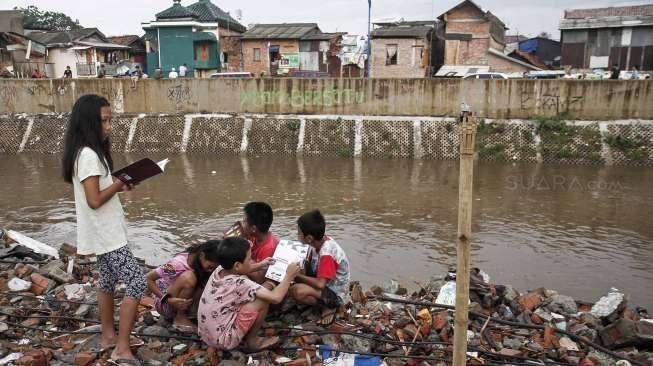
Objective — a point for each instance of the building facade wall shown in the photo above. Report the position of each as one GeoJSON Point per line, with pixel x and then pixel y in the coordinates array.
{"type": "Point", "coordinates": [498, 64]}
{"type": "Point", "coordinates": [468, 20]}
{"type": "Point", "coordinates": [231, 47]}
{"type": "Point", "coordinates": [62, 57]}
{"type": "Point", "coordinates": [409, 62]}
{"type": "Point", "coordinates": [262, 67]}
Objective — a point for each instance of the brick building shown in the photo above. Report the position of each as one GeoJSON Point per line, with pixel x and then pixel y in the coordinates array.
{"type": "Point", "coordinates": [606, 37]}
{"type": "Point", "coordinates": [406, 49]}
{"type": "Point", "coordinates": [290, 48]}
{"type": "Point", "coordinates": [475, 37]}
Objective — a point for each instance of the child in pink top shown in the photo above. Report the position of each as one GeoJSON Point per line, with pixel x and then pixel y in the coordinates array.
{"type": "Point", "coordinates": [179, 281]}
{"type": "Point", "coordinates": [233, 307]}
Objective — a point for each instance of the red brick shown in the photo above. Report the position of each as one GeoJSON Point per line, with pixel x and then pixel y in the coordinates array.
{"type": "Point", "coordinates": [510, 352]}
{"type": "Point", "coordinates": [31, 322]}
{"type": "Point", "coordinates": [530, 301]}
{"type": "Point", "coordinates": [587, 361]}
{"type": "Point", "coordinates": [84, 358]}
{"type": "Point", "coordinates": [39, 284]}
{"type": "Point", "coordinates": [67, 347]}
{"type": "Point", "coordinates": [22, 270]}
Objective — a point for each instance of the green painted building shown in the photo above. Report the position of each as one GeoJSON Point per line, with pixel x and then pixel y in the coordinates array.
{"type": "Point", "coordinates": [189, 35]}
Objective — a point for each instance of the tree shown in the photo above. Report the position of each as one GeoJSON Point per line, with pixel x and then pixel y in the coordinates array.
{"type": "Point", "coordinates": [545, 34]}
{"type": "Point", "coordinates": [47, 20]}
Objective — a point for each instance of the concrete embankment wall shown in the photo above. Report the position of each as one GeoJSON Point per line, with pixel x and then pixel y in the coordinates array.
{"type": "Point", "coordinates": [625, 142]}
{"type": "Point", "coordinates": [498, 99]}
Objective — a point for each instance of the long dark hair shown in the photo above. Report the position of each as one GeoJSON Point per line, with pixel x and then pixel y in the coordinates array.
{"type": "Point", "coordinates": [85, 130]}
{"type": "Point", "coordinates": [210, 250]}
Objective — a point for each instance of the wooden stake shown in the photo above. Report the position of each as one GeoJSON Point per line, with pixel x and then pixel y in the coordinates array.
{"type": "Point", "coordinates": [463, 255]}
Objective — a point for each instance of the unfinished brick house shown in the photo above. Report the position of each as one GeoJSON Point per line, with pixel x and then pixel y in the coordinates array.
{"type": "Point", "coordinates": [406, 49]}
{"type": "Point", "coordinates": [474, 37]}
{"type": "Point", "coordinates": [293, 49]}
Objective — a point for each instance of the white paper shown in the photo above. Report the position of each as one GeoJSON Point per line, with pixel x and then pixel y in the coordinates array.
{"type": "Point", "coordinates": [162, 164]}
{"type": "Point", "coordinates": [287, 252]}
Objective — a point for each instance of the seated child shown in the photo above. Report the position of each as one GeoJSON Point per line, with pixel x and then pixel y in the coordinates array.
{"type": "Point", "coordinates": [178, 282]}
{"type": "Point", "coordinates": [233, 307]}
{"type": "Point", "coordinates": [326, 281]}
{"type": "Point", "coordinates": [256, 228]}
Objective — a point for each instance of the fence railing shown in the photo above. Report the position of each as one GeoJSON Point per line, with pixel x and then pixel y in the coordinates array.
{"type": "Point", "coordinates": [24, 70]}
{"type": "Point", "coordinates": [86, 69]}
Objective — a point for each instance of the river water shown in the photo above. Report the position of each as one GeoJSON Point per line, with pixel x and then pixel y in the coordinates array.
{"type": "Point", "coordinates": [579, 230]}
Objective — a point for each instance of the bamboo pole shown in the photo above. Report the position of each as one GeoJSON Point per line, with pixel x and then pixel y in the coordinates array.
{"type": "Point", "coordinates": [463, 255]}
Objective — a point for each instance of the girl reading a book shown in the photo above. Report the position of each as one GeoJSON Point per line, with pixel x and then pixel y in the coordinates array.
{"type": "Point", "coordinates": [101, 227]}
{"type": "Point", "coordinates": [178, 284]}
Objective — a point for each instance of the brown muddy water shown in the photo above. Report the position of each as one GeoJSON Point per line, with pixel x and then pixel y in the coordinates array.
{"type": "Point", "coordinates": [579, 230]}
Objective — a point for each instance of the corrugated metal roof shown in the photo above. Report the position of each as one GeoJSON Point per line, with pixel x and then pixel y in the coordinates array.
{"type": "Point", "coordinates": [124, 40]}
{"type": "Point", "coordinates": [615, 11]}
{"type": "Point", "coordinates": [281, 31]}
{"type": "Point", "coordinates": [50, 38]}
{"type": "Point", "coordinates": [608, 22]}
{"type": "Point", "coordinates": [402, 31]}
{"type": "Point", "coordinates": [206, 11]}
{"type": "Point", "coordinates": [321, 36]}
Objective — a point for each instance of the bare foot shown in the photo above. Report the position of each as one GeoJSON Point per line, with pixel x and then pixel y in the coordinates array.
{"type": "Point", "coordinates": [108, 341]}
{"type": "Point", "coordinates": [125, 355]}
{"type": "Point", "coordinates": [260, 343]}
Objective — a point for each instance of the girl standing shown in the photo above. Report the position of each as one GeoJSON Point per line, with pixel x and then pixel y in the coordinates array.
{"type": "Point", "coordinates": [101, 227]}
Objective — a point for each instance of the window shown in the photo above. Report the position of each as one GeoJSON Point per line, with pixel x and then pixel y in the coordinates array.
{"type": "Point", "coordinates": [257, 55]}
{"type": "Point", "coordinates": [225, 58]}
{"type": "Point", "coordinates": [391, 54]}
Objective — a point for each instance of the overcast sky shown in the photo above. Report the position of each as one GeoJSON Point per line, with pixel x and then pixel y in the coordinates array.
{"type": "Point", "coordinates": [118, 17]}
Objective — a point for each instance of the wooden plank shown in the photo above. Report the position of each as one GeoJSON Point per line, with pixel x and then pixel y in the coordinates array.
{"type": "Point", "coordinates": [463, 250]}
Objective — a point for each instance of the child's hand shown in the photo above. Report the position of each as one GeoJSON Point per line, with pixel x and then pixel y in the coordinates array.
{"type": "Point", "coordinates": [292, 271]}
{"type": "Point", "coordinates": [179, 303]}
{"type": "Point", "coordinates": [267, 262]}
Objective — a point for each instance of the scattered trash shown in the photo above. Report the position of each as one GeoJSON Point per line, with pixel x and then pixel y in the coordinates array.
{"type": "Point", "coordinates": [57, 323]}
{"type": "Point", "coordinates": [32, 244]}
{"type": "Point", "coordinates": [17, 285]}
{"type": "Point", "coordinates": [608, 304]}
{"type": "Point", "coordinates": [447, 294]}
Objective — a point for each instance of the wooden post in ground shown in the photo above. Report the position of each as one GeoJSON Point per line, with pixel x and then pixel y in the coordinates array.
{"type": "Point", "coordinates": [463, 253]}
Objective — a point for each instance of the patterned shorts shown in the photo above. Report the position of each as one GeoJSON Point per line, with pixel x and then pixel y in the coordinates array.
{"type": "Point", "coordinates": [121, 266]}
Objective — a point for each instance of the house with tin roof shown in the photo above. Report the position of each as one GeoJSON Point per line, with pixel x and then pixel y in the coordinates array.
{"type": "Point", "coordinates": [406, 49]}
{"type": "Point", "coordinates": [84, 50]}
{"type": "Point", "coordinates": [296, 49]}
{"type": "Point", "coordinates": [135, 55]}
{"type": "Point", "coordinates": [200, 35]}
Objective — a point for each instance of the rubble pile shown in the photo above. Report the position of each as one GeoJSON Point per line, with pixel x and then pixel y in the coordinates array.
{"type": "Point", "coordinates": [49, 316]}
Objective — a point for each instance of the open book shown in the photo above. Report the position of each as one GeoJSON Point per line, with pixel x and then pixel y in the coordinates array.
{"type": "Point", "coordinates": [287, 252]}
{"type": "Point", "coordinates": [140, 170]}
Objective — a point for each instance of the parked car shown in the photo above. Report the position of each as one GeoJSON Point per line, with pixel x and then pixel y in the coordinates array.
{"type": "Point", "coordinates": [486, 75]}
{"type": "Point", "coordinates": [232, 75]}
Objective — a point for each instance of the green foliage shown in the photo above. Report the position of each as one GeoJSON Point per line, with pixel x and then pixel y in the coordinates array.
{"type": "Point", "coordinates": [47, 20]}
{"type": "Point", "coordinates": [567, 142]}
{"type": "Point", "coordinates": [496, 151]}
{"type": "Point", "coordinates": [490, 128]}
{"type": "Point", "coordinates": [293, 125]}
{"type": "Point", "coordinates": [634, 149]}
{"type": "Point", "coordinates": [345, 153]}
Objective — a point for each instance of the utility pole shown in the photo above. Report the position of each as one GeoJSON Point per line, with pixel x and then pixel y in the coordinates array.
{"type": "Point", "coordinates": [368, 63]}
{"type": "Point", "coordinates": [463, 251]}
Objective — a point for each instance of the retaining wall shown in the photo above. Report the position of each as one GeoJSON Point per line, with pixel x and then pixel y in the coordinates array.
{"type": "Point", "coordinates": [501, 99]}
{"type": "Point", "coordinates": [625, 142]}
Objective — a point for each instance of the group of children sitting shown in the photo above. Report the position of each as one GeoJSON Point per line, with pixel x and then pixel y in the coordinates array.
{"type": "Point", "coordinates": [224, 280]}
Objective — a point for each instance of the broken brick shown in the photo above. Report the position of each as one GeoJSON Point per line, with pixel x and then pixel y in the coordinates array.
{"type": "Point", "coordinates": [530, 301]}
{"type": "Point", "coordinates": [22, 270]}
{"type": "Point", "coordinates": [39, 284]}
{"type": "Point", "coordinates": [510, 352]}
{"type": "Point", "coordinates": [31, 322]}
{"type": "Point", "coordinates": [84, 358]}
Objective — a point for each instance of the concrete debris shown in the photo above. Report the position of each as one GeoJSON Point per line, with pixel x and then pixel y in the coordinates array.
{"type": "Point", "coordinates": [49, 316]}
